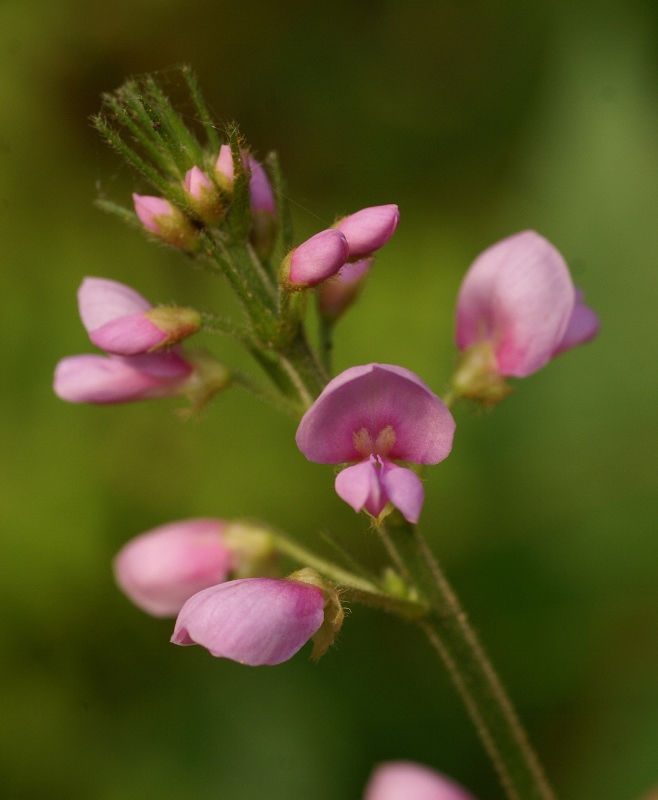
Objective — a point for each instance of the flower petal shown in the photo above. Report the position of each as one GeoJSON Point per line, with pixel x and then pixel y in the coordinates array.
{"type": "Point", "coordinates": [404, 489]}
{"type": "Point", "coordinates": [260, 191]}
{"type": "Point", "coordinates": [254, 620]}
{"type": "Point", "coordinates": [372, 397]}
{"type": "Point", "coordinates": [360, 487]}
{"type": "Point", "coordinates": [128, 336]}
{"type": "Point", "coordinates": [583, 325]}
{"type": "Point", "coordinates": [369, 229]}
{"type": "Point", "coordinates": [519, 296]}
{"type": "Point", "coordinates": [405, 780]}
{"type": "Point", "coordinates": [101, 300]}
{"type": "Point", "coordinates": [163, 568]}
{"type": "Point", "coordinates": [317, 259]}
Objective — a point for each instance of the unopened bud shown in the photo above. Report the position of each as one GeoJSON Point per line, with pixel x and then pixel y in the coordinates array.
{"type": "Point", "coordinates": [163, 219]}
{"type": "Point", "coordinates": [337, 294]}
{"type": "Point", "coordinates": [175, 324]}
{"type": "Point", "coordinates": [203, 196]}
{"type": "Point", "coordinates": [369, 229]}
{"type": "Point", "coordinates": [315, 260]}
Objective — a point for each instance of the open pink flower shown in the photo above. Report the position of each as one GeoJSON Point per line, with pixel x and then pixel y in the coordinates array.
{"type": "Point", "coordinates": [164, 567]}
{"type": "Point", "coordinates": [519, 300]}
{"type": "Point", "coordinates": [122, 322]}
{"type": "Point", "coordinates": [375, 415]}
{"type": "Point", "coordinates": [369, 229]}
{"type": "Point", "coordinates": [121, 379]}
{"type": "Point", "coordinates": [254, 620]}
{"type": "Point", "coordinates": [406, 780]}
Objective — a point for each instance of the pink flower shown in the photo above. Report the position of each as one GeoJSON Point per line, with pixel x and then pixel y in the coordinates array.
{"type": "Point", "coordinates": [518, 299]}
{"type": "Point", "coordinates": [197, 183]}
{"type": "Point", "coordinates": [405, 780]}
{"type": "Point", "coordinates": [121, 379]}
{"type": "Point", "coordinates": [336, 295]}
{"type": "Point", "coordinates": [120, 321]}
{"type": "Point", "coordinates": [375, 415]}
{"type": "Point", "coordinates": [315, 260]}
{"type": "Point", "coordinates": [260, 191]}
{"type": "Point", "coordinates": [163, 568]}
{"type": "Point", "coordinates": [369, 229]}
{"type": "Point", "coordinates": [254, 620]}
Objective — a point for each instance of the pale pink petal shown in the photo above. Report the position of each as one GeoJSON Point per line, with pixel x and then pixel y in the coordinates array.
{"type": "Point", "coordinates": [404, 490]}
{"type": "Point", "coordinates": [148, 208]}
{"type": "Point", "coordinates": [113, 379]}
{"type": "Point", "coordinates": [406, 780]}
{"type": "Point", "coordinates": [101, 300]}
{"type": "Point", "coordinates": [373, 398]}
{"type": "Point", "coordinates": [254, 620]}
{"type": "Point", "coordinates": [337, 294]}
{"type": "Point", "coordinates": [163, 568]}
{"type": "Point", "coordinates": [128, 336]}
{"type": "Point", "coordinates": [317, 259]}
{"type": "Point", "coordinates": [583, 325]}
{"type": "Point", "coordinates": [260, 190]}
{"type": "Point", "coordinates": [369, 229]}
{"type": "Point", "coordinates": [196, 182]}
{"type": "Point", "coordinates": [224, 164]}
{"type": "Point", "coordinates": [517, 295]}
{"type": "Point", "coordinates": [359, 486]}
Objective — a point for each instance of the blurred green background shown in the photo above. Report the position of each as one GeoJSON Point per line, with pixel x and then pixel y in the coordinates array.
{"type": "Point", "coordinates": [479, 119]}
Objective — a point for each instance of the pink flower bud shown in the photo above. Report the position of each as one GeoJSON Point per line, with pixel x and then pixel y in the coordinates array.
{"type": "Point", "coordinates": [121, 379]}
{"type": "Point", "coordinates": [253, 621]}
{"type": "Point", "coordinates": [337, 294]}
{"type": "Point", "coordinates": [163, 568]}
{"type": "Point", "coordinates": [224, 170]}
{"type": "Point", "coordinates": [518, 299]}
{"type": "Point", "coordinates": [203, 196]}
{"type": "Point", "coordinates": [315, 260]}
{"type": "Point", "coordinates": [122, 322]}
{"type": "Point", "coordinates": [369, 229]}
{"type": "Point", "coordinates": [405, 780]}
{"type": "Point", "coordinates": [262, 198]}
{"type": "Point", "coordinates": [163, 219]}
{"type": "Point", "coordinates": [375, 415]}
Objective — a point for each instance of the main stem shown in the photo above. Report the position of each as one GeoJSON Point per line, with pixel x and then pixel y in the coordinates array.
{"type": "Point", "coordinates": [473, 675]}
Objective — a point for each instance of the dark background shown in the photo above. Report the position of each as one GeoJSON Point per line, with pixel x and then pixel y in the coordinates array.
{"type": "Point", "coordinates": [479, 119]}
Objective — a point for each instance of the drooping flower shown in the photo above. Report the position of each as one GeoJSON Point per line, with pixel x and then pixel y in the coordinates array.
{"type": "Point", "coordinates": [375, 415]}
{"type": "Point", "coordinates": [517, 308]}
{"type": "Point", "coordinates": [124, 379]}
{"type": "Point", "coordinates": [315, 260]}
{"type": "Point", "coordinates": [254, 620]}
{"type": "Point", "coordinates": [121, 379]}
{"type": "Point", "coordinates": [406, 780]}
{"type": "Point", "coordinates": [167, 222]}
{"type": "Point", "coordinates": [122, 322]}
{"type": "Point", "coordinates": [164, 567]}
{"type": "Point", "coordinates": [369, 229]}
{"type": "Point", "coordinates": [338, 293]}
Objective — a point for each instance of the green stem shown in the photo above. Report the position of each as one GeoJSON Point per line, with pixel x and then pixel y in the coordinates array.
{"type": "Point", "coordinates": [474, 677]}
{"type": "Point", "coordinates": [351, 586]}
{"type": "Point", "coordinates": [265, 393]}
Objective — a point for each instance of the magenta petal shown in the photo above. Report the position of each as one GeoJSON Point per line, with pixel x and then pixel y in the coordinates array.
{"type": "Point", "coordinates": [100, 379]}
{"type": "Point", "coordinates": [163, 568]}
{"type": "Point", "coordinates": [405, 780]}
{"type": "Point", "coordinates": [374, 397]}
{"type": "Point", "coordinates": [359, 486]}
{"type": "Point", "coordinates": [583, 325]}
{"type": "Point", "coordinates": [519, 296]}
{"type": "Point", "coordinates": [404, 490]}
{"type": "Point", "coordinates": [254, 621]}
{"type": "Point", "coordinates": [369, 229]}
{"type": "Point", "coordinates": [318, 258]}
{"type": "Point", "coordinates": [260, 190]}
{"type": "Point", "coordinates": [101, 300]}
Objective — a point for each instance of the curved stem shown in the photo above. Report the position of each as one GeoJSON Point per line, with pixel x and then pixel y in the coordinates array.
{"type": "Point", "coordinates": [473, 675]}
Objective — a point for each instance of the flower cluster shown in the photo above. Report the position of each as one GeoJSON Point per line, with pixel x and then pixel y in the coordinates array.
{"type": "Point", "coordinates": [379, 423]}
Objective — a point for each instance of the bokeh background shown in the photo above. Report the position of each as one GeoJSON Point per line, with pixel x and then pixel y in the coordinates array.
{"type": "Point", "coordinates": [479, 119]}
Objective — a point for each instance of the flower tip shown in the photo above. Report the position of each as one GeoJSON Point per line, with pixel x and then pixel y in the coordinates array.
{"type": "Point", "coordinates": [369, 229]}
{"type": "Point", "coordinates": [407, 780]}
{"type": "Point", "coordinates": [315, 260]}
